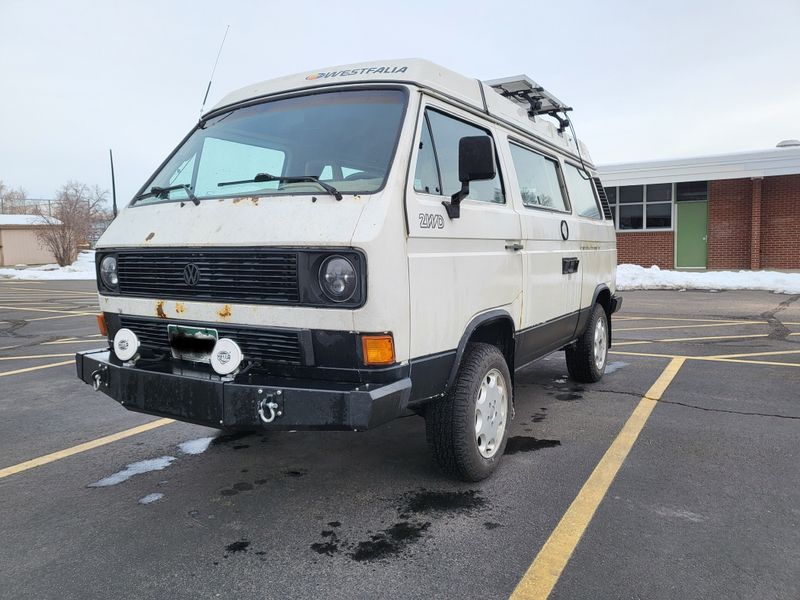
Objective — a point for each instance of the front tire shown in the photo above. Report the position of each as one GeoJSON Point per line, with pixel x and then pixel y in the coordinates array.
{"type": "Point", "coordinates": [466, 429]}
{"type": "Point", "coordinates": [587, 357]}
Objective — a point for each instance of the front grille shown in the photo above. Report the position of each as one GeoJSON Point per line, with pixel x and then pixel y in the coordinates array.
{"type": "Point", "coordinates": [262, 345]}
{"type": "Point", "coordinates": [601, 193]}
{"type": "Point", "coordinates": [250, 276]}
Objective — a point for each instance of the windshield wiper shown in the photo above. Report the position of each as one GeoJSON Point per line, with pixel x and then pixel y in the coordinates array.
{"type": "Point", "coordinates": [287, 179]}
{"type": "Point", "coordinates": [161, 192]}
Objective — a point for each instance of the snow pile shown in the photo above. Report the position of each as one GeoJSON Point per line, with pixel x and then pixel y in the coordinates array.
{"type": "Point", "coordinates": [150, 498]}
{"type": "Point", "coordinates": [634, 277]}
{"type": "Point", "coordinates": [82, 268]}
{"type": "Point", "coordinates": [137, 468]}
{"type": "Point", "coordinates": [197, 446]}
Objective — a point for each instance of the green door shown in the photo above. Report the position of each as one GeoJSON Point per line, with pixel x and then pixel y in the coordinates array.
{"type": "Point", "coordinates": [691, 249]}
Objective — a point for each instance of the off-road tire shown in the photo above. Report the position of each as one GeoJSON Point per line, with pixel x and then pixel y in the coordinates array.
{"type": "Point", "coordinates": [580, 356]}
{"type": "Point", "coordinates": [450, 421]}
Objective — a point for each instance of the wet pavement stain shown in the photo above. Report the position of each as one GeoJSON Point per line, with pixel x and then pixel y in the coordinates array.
{"type": "Point", "coordinates": [490, 525]}
{"type": "Point", "coordinates": [328, 548]}
{"type": "Point", "coordinates": [389, 542]}
{"type": "Point", "coordinates": [240, 546]}
{"type": "Point", "coordinates": [260, 481]}
{"type": "Point", "coordinates": [230, 437]}
{"type": "Point", "coordinates": [521, 443]}
{"type": "Point", "coordinates": [228, 492]}
{"type": "Point", "coordinates": [242, 486]}
{"type": "Point", "coordinates": [334, 524]}
{"type": "Point", "coordinates": [568, 397]}
{"type": "Point", "coordinates": [539, 416]}
{"type": "Point", "coordinates": [426, 501]}
{"type": "Point", "coordinates": [296, 472]}
{"type": "Point", "coordinates": [241, 446]}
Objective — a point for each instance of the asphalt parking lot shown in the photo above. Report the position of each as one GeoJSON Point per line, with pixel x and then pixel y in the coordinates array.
{"type": "Point", "coordinates": [675, 476]}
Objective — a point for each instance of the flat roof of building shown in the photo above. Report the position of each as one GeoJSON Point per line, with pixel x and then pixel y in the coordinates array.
{"type": "Point", "coordinates": [22, 220]}
{"type": "Point", "coordinates": [736, 165]}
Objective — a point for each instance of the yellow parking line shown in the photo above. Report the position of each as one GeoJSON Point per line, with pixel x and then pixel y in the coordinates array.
{"type": "Point", "coordinates": [749, 354]}
{"type": "Point", "coordinates": [36, 356]}
{"type": "Point", "coordinates": [91, 341]}
{"type": "Point", "coordinates": [48, 458]}
{"type": "Point", "coordinates": [543, 574]}
{"type": "Point", "coordinates": [722, 324]}
{"type": "Point", "coordinates": [635, 343]}
{"type": "Point", "coordinates": [645, 318]}
{"type": "Point", "coordinates": [77, 292]}
{"type": "Point", "coordinates": [48, 310]}
{"type": "Point", "coordinates": [80, 314]}
{"type": "Point", "coordinates": [715, 337]}
{"type": "Point", "coordinates": [707, 358]}
{"type": "Point", "coordinates": [29, 369]}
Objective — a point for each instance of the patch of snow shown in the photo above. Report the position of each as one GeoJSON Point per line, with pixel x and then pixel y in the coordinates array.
{"type": "Point", "coordinates": [150, 498]}
{"type": "Point", "coordinates": [82, 269]}
{"type": "Point", "coordinates": [197, 446]}
{"type": "Point", "coordinates": [634, 277]}
{"type": "Point", "coordinates": [137, 468]}
{"type": "Point", "coordinates": [615, 366]}
{"type": "Point", "coordinates": [680, 514]}
{"type": "Point", "coordinates": [560, 381]}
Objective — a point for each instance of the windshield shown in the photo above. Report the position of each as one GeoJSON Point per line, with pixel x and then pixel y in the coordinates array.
{"type": "Point", "coordinates": [346, 139]}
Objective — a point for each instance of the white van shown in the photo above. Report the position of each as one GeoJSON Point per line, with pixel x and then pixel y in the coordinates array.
{"type": "Point", "coordinates": [334, 249]}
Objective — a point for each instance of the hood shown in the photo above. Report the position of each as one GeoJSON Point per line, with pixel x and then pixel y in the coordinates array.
{"type": "Point", "coordinates": [242, 221]}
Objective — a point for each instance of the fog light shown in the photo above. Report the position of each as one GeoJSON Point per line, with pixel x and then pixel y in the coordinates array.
{"type": "Point", "coordinates": [126, 344]}
{"type": "Point", "coordinates": [226, 356]}
{"type": "Point", "coordinates": [377, 349]}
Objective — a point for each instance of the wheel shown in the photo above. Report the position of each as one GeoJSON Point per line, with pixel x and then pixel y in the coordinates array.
{"type": "Point", "coordinates": [466, 429]}
{"type": "Point", "coordinates": [586, 358]}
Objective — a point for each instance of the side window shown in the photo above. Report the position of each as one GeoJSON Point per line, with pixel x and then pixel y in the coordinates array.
{"type": "Point", "coordinates": [426, 176]}
{"type": "Point", "coordinates": [446, 132]}
{"type": "Point", "coordinates": [538, 179]}
{"type": "Point", "coordinates": [581, 193]}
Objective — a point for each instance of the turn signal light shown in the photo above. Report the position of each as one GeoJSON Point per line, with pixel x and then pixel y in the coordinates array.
{"type": "Point", "coordinates": [101, 324]}
{"type": "Point", "coordinates": [377, 349]}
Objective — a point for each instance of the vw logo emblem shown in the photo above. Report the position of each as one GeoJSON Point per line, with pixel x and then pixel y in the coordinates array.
{"type": "Point", "coordinates": [191, 274]}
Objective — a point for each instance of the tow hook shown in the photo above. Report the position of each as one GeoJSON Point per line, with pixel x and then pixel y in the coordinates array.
{"type": "Point", "coordinates": [268, 405]}
{"type": "Point", "coordinates": [99, 378]}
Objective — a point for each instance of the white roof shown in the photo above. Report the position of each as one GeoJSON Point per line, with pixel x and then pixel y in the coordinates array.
{"type": "Point", "coordinates": [25, 220]}
{"type": "Point", "coordinates": [414, 71]}
{"type": "Point", "coordinates": [761, 163]}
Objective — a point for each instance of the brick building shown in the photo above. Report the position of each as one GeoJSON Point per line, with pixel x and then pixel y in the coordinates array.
{"type": "Point", "coordinates": [731, 211]}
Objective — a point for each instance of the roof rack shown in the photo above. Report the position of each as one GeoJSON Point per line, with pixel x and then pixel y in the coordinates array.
{"type": "Point", "coordinates": [524, 91]}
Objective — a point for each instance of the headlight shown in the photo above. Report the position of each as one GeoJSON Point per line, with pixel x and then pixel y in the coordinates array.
{"type": "Point", "coordinates": [338, 278]}
{"type": "Point", "coordinates": [108, 272]}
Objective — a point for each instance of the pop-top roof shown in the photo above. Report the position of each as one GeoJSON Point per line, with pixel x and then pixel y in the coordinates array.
{"type": "Point", "coordinates": [491, 96]}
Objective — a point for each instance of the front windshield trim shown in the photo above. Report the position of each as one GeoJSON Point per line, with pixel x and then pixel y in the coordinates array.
{"type": "Point", "coordinates": [201, 124]}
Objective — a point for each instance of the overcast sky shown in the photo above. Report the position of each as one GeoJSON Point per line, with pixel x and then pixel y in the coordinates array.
{"type": "Point", "coordinates": [647, 79]}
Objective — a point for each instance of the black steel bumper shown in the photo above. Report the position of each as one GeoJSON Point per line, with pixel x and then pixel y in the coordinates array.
{"type": "Point", "coordinates": [167, 388]}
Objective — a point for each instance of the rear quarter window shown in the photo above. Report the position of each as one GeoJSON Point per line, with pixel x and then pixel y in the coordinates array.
{"type": "Point", "coordinates": [581, 193]}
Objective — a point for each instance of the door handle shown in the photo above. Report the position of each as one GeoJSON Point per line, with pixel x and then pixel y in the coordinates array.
{"type": "Point", "coordinates": [569, 265]}
{"type": "Point", "coordinates": [514, 246]}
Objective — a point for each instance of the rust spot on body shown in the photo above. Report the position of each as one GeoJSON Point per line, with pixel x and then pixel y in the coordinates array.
{"type": "Point", "coordinates": [180, 308]}
{"type": "Point", "coordinates": [237, 200]}
{"type": "Point", "coordinates": [254, 200]}
{"type": "Point", "coordinates": [225, 311]}
{"type": "Point", "coordinates": [150, 236]}
{"type": "Point", "coordinates": [160, 310]}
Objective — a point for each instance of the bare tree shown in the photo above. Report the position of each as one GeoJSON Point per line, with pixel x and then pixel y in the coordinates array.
{"type": "Point", "coordinates": [12, 202]}
{"type": "Point", "coordinates": [77, 211]}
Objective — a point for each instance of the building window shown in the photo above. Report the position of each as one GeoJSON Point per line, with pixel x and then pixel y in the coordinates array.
{"type": "Point", "coordinates": [641, 207]}
{"type": "Point", "coordinates": [689, 191]}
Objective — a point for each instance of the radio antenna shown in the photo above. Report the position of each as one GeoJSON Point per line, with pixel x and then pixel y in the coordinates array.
{"type": "Point", "coordinates": [113, 183]}
{"type": "Point", "coordinates": [210, 79]}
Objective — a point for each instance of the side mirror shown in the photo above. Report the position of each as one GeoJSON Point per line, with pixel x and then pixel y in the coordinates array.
{"type": "Point", "coordinates": [475, 162]}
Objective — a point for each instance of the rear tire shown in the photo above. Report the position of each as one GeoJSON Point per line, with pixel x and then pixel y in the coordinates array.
{"type": "Point", "coordinates": [587, 357]}
{"type": "Point", "coordinates": [466, 429]}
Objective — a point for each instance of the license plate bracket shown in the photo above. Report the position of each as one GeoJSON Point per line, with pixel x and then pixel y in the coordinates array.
{"type": "Point", "coordinates": [192, 343]}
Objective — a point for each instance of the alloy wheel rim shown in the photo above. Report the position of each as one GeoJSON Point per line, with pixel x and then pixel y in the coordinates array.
{"type": "Point", "coordinates": [600, 344]}
{"type": "Point", "coordinates": [491, 409]}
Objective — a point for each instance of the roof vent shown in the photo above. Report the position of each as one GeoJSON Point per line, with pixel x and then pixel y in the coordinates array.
{"type": "Point", "coordinates": [788, 144]}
